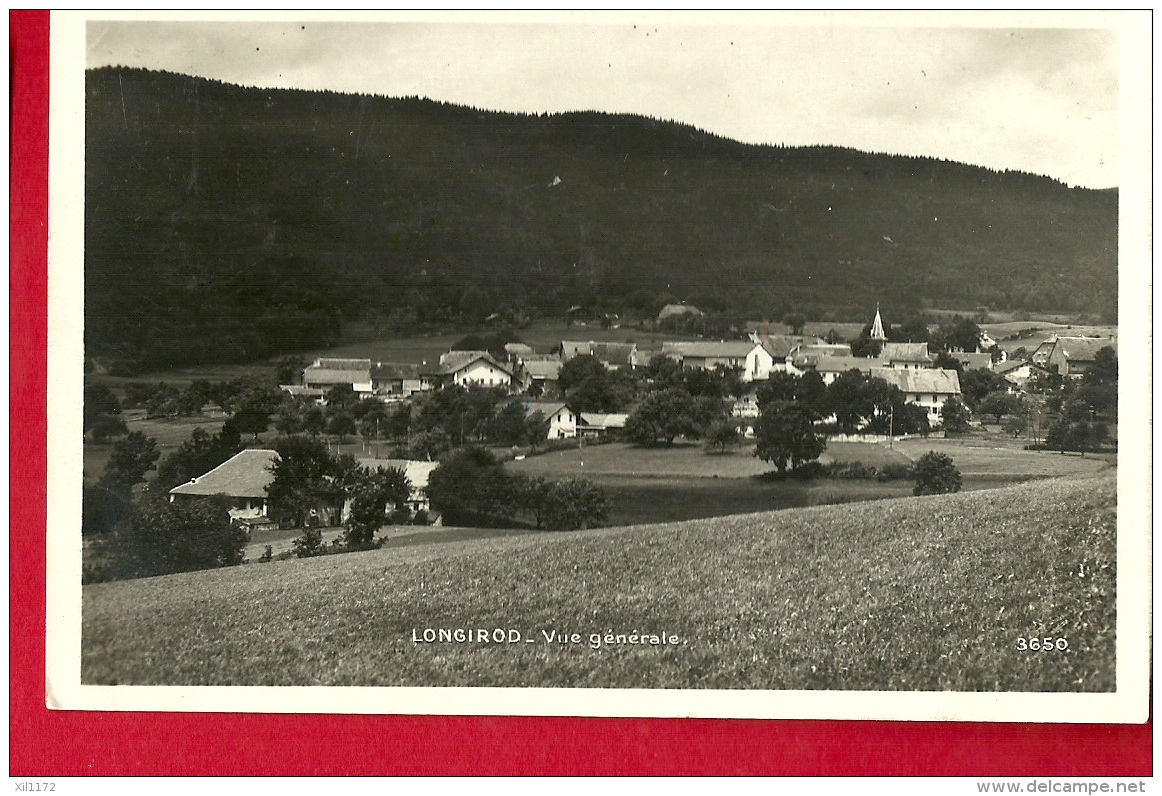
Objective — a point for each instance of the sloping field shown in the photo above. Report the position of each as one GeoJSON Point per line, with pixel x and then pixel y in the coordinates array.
{"type": "Point", "coordinates": [908, 594]}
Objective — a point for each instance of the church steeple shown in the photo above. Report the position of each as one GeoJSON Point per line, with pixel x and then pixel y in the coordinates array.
{"type": "Point", "coordinates": [877, 330]}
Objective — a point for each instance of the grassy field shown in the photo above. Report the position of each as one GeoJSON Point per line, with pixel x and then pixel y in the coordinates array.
{"type": "Point", "coordinates": [683, 482]}
{"type": "Point", "coordinates": [912, 594]}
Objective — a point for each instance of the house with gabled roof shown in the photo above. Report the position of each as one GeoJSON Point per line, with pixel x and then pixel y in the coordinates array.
{"type": "Point", "coordinates": [925, 387]}
{"type": "Point", "coordinates": [1073, 356]}
{"type": "Point", "coordinates": [830, 368]}
{"type": "Point", "coordinates": [466, 368]}
{"type": "Point", "coordinates": [905, 356]}
{"type": "Point", "coordinates": [615, 356]}
{"type": "Point", "coordinates": [973, 361]}
{"type": "Point", "coordinates": [327, 372]}
{"type": "Point", "coordinates": [563, 419]}
{"type": "Point", "coordinates": [396, 380]}
{"type": "Point", "coordinates": [752, 360]}
{"type": "Point", "coordinates": [243, 478]}
{"type": "Point", "coordinates": [418, 474]}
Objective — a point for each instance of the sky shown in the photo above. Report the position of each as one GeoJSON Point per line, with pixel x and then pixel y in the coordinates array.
{"type": "Point", "coordinates": [1042, 100]}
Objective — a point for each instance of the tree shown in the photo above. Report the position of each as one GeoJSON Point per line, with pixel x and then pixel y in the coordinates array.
{"type": "Point", "coordinates": [1001, 403]}
{"type": "Point", "coordinates": [197, 455]}
{"type": "Point", "coordinates": [913, 330]}
{"type": "Point", "coordinates": [954, 416]}
{"type": "Point", "coordinates": [786, 434]}
{"type": "Point", "coordinates": [429, 445]}
{"type": "Point", "coordinates": [722, 435]}
{"type": "Point", "coordinates": [962, 334]}
{"type": "Point", "coordinates": [132, 458]}
{"type": "Point", "coordinates": [314, 421]}
{"type": "Point", "coordinates": [796, 321]}
{"type": "Point", "coordinates": [508, 426]}
{"type": "Point", "coordinates": [1016, 425]}
{"type": "Point", "coordinates": [1104, 369]}
{"type": "Point", "coordinates": [536, 428]}
{"type": "Point", "coordinates": [591, 387]}
{"type": "Point", "coordinates": [666, 415]}
{"type": "Point", "coordinates": [99, 402]}
{"type": "Point", "coordinates": [978, 383]}
{"type": "Point", "coordinates": [303, 480]}
{"type": "Point", "coordinates": [935, 474]}
{"type": "Point", "coordinates": [341, 396]}
{"type": "Point", "coordinates": [945, 361]}
{"type": "Point", "coordinates": [470, 482]}
{"type": "Point", "coordinates": [107, 426]}
{"type": "Point", "coordinates": [574, 504]}
{"type": "Point", "coordinates": [249, 421]}
{"type": "Point", "coordinates": [372, 495]}
{"type": "Point", "coordinates": [188, 534]}
{"type": "Point", "coordinates": [340, 425]}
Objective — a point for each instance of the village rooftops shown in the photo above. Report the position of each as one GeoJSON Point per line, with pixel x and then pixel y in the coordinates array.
{"type": "Point", "coordinates": [245, 475]}
{"type": "Point", "coordinates": [337, 371]}
{"type": "Point", "coordinates": [612, 354]}
{"type": "Point", "coordinates": [546, 408]}
{"type": "Point", "coordinates": [781, 346]}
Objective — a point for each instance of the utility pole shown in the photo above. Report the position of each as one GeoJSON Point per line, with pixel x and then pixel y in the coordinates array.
{"type": "Point", "coordinates": [891, 425]}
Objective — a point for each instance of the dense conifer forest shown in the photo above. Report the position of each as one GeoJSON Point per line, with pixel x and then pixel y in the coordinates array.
{"type": "Point", "coordinates": [228, 224]}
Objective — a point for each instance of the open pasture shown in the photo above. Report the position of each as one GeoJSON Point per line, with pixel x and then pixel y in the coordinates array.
{"type": "Point", "coordinates": [913, 594]}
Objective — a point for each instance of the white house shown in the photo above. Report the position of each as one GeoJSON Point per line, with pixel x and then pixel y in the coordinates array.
{"type": "Point", "coordinates": [925, 387]}
{"type": "Point", "coordinates": [563, 421]}
{"type": "Point", "coordinates": [466, 368]}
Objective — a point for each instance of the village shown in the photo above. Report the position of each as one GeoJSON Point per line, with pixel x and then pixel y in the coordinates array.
{"type": "Point", "coordinates": [673, 400]}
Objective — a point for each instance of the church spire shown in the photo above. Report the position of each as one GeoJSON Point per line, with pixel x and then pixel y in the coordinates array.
{"type": "Point", "coordinates": [877, 330]}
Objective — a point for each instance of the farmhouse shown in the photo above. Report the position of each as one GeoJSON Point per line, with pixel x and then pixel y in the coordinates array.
{"type": "Point", "coordinates": [905, 356]}
{"type": "Point", "coordinates": [598, 424]}
{"type": "Point", "coordinates": [563, 421]}
{"type": "Point", "coordinates": [615, 356]}
{"type": "Point", "coordinates": [929, 387]}
{"type": "Point", "coordinates": [466, 368]}
{"type": "Point", "coordinates": [396, 380]}
{"type": "Point", "coordinates": [752, 360]}
{"type": "Point", "coordinates": [325, 373]}
{"type": "Point", "coordinates": [539, 373]}
{"type": "Point", "coordinates": [674, 310]}
{"type": "Point", "coordinates": [830, 368]}
{"type": "Point", "coordinates": [243, 478]}
{"type": "Point", "coordinates": [1017, 372]}
{"type": "Point", "coordinates": [1073, 356]}
{"type": "Point", "coordinates": [973, 361]}
{"type": "Point", "coordinates": [418, 473]}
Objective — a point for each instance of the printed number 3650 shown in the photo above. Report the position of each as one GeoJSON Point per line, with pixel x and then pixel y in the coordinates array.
{"type": "Point", "coordinates": [1046, 644]}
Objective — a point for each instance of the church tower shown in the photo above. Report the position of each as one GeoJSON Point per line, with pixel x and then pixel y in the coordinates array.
{"type": "Point", "coordinates": [877, 330]}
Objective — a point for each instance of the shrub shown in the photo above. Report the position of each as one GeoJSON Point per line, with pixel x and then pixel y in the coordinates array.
{"type": "Point", "coordinates": [574, 504]}
{"type": "Point", "coordinates": [894, 472]}
{"type": "Point", "coordinates": [935, 474]}
{"type": "Point", "coordinates": [309, 544]}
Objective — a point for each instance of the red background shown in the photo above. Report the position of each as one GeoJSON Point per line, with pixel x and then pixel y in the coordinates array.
{"type": "Point", "coordinates": [60, 743]}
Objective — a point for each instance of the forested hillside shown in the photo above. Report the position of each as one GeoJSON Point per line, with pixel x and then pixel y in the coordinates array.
{"type": "Point", "coordinates": [227, 224]}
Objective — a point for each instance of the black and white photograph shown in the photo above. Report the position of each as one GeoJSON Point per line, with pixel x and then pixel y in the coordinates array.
{"type": "Point", "coordinates": [757, 365]}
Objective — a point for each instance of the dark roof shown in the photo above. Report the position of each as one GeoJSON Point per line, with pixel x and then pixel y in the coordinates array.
{"type": "Point", "coordinates": [246, 475]}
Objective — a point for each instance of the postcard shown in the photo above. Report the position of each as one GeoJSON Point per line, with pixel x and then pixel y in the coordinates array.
{"type": "Point", "coordinates": [638, 364]}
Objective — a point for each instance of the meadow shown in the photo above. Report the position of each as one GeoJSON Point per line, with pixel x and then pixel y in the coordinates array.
{"type": "Point", "coordinates": [926, 594]}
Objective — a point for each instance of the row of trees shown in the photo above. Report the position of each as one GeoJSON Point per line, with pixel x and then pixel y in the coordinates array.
{"type": "Point", "coordinates": [472, 487]}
